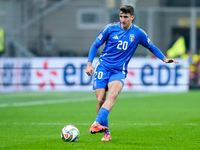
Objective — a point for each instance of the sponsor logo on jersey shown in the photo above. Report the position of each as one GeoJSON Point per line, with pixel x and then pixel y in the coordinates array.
{"type": "Point", "coordinates": [100, 36]}
{"type": "Point", "coordinates": [115, 37]}
{"type": "Point", "coordinates": [131, 37]}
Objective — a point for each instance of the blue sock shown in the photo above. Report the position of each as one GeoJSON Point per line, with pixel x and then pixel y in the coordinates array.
{"type": "Point", "coordinates": [105, 123]}
{"type": "Point", "coordinates": [102, 115]}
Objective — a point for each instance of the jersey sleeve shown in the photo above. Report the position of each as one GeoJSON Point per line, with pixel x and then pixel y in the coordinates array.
{"type": "Point", "coordinates": [100, 39]}
{"type": "Point", "coordinates": [146, 42]}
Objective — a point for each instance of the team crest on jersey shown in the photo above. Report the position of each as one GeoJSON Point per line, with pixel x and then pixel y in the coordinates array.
{"type": "Point", "coordinates": [131, 38]}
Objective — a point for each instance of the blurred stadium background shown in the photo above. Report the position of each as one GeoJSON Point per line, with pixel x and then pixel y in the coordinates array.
{"type": "Point", "coordinates": [43, 50]}
{"type": "Point", "coordinates": [67, 28]}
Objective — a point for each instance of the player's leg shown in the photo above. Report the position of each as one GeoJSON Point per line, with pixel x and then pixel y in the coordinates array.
{"type": "Point", "coordinates": [101, 77]}
{"type": "Point", "coordinates": [99, 125]}
{"type": "Point", "coordinates": [115, 85]}
{"type": "Point", "coordinates": [114, 88]}
{"type": "Point", "coordinates": [100, 97]}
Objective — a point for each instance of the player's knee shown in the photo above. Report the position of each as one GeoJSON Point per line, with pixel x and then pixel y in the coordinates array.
{"type": "Point", "coordinates": [100, 100]}
{"type": "Point", "coordinates": [114, 94]}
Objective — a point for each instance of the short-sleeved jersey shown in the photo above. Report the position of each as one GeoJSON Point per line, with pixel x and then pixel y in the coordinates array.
{"type": "Point", "coordinates": [120, 46]}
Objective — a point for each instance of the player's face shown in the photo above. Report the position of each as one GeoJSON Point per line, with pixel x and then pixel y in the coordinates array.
{"type": "Point", "coordinates": [126, 20]}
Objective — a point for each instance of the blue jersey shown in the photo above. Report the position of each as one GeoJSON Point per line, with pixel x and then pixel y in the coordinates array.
{"type": "Point", "coordinates": [120, 46]}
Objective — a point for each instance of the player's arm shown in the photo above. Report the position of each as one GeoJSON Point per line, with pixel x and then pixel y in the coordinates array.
{"type": "Point", "coordinates": [145, 41]}
{"type": "Point", "coordinates": [100, 39]}
{"type": "Point", "coordinates": [92, 54]}
{"type": "Point", "coordinates": [160, 55]}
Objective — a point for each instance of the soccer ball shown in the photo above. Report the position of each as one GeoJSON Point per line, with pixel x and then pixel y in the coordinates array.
{"type": "Point", "coordinates": [70, 133]}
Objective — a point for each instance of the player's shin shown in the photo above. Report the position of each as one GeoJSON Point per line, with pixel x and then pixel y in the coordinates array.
{"type": "Point", "coordinates": [102, 115]}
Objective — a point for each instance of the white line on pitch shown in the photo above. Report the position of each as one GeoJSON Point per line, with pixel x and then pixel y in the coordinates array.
{"type": "Point", "coordinates": [112, 124]}
{"type": "Point", "coordinates": [31, 103]}
{"type": "Point", "coordinates": [76, 99]}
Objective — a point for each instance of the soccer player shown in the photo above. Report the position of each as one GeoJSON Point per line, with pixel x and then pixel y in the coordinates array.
{"type": "Point", "coordinates": [121, 40]}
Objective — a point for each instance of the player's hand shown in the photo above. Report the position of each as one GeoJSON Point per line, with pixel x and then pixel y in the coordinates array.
{"type": "Point", "coordinates": [170, 60]}
{"type": "Point", "coordinates": [89, 69]}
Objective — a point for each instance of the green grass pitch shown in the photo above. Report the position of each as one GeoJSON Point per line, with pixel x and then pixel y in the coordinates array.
{"type": "Point", "coordinates": [139, 121]}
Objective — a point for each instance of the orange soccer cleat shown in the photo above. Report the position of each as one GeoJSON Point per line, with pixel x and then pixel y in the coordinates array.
{"type": "Point", "coordinates": [106, 137]}
{"type": "Point", "coordinates": [97, 128]}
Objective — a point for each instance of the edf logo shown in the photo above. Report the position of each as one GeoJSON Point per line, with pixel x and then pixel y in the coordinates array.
{"type": "Point", "coordinates": [70, 72]}
{"type": "Point", "coordinates": [163, 74]}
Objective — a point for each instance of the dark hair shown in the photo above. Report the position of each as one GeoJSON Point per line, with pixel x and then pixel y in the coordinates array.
{"type": "Point", "coordinates": [127, 9]}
